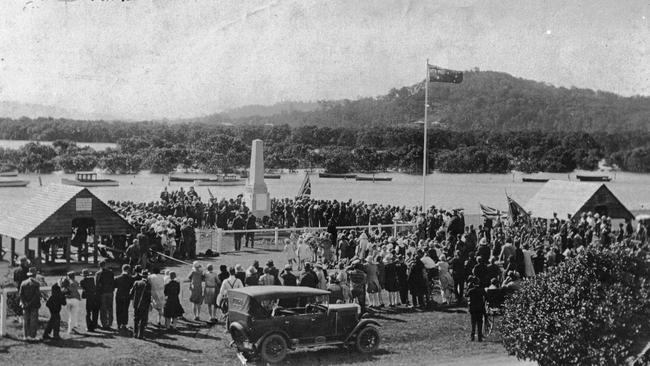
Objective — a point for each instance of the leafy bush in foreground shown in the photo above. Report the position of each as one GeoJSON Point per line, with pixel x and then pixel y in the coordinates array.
{"type": "Point", "coordinates": [591, 310]}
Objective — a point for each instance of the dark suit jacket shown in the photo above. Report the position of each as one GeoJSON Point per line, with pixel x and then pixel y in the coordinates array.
{"type": "Point", "coordinates": [123, 284]}
{"type": "Point", "coordinates": [141, 296]}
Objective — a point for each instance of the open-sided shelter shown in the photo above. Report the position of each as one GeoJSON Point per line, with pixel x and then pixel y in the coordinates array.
{"type": "Point", "coordinates": [574, 198]}
{"type": "Point", "coordinates": [54, 211]}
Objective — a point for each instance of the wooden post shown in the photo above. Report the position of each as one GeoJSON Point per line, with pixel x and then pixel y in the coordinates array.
{"type": "Point", "coordinates": [13, 251]}
{"type": "Point", "coordinates": [26, 240]}
{"type": "Point", "coordinates": [277, 235]}
{"type": "Point", "coordinates": [94, 248]}
{"type": "Point", "coordinates": [68, 249]}
{"type": "Point", "coordinates": [38, 248]}
{"type": "Point", "coordinates": [3, 312]}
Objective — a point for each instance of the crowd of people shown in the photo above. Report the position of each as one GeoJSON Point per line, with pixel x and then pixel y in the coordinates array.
{"type": "Point", "coordinates": [441, 262]}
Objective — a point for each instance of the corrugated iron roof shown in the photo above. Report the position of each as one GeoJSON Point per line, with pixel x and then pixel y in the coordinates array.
{"type": "Point", "coordinates": [24, 219]}
{"type": "Point", "coordinates": [563, 197]}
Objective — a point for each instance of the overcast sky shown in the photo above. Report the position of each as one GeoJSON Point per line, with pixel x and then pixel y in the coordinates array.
{"type": "Point", "coordinates": [143, 59]}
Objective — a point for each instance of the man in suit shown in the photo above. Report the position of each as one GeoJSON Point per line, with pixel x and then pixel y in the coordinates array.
{"type": "Point", "coordinates": [104, 282]}
{"type": "Point", "coordinates": [123, 284]}
{"type": "Point", "coordinates": [238, 224]}
{"type": "Point", "coordinates": [141, 296]}
{"type": "Point", "coordinates": [30, 301]}
{"type": "Point", "coordinates": [93, 301]}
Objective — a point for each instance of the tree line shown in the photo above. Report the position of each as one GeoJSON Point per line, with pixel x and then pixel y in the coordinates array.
{"type": "Point", "coordinates": [162, 147]}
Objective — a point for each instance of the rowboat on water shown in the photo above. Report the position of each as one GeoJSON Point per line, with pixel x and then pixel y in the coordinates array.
{"type": "Point", "coordinates": [89, 179]}
{"type": "Point", "coordinates": [13, 183]}
{"type": "Point", "coordinates": [272, 176]}
{"type": "Point", "coordinates": [534, 180]}
{"type": "Point", "coordinates": [334, 175]}
{"type": "Point", "coordinates": [190, 177]}
{"type": "Point", "coordinates": [217, 182]}
{"type": "Point", "coordinates": [593, 178]}
{"type": "Point", "coordinates": [373, 179]}
{"type": "Point", "coordinates": [9, 173]}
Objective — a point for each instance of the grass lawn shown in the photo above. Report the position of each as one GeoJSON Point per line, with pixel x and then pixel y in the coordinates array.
{"type": "Point", "coordinates": [408, 338]}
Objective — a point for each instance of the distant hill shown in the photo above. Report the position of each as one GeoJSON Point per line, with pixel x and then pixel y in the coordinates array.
{"type": "Point", "coordinates": [486, 100]}
{"type": "Point", "coordinates": [269, 110]}
{"type": "Point", "coordinates": [15, 110]}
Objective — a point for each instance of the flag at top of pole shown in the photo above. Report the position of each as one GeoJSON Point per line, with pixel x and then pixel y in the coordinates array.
{"type": "Point", "coordinates": [305, 187]}
{"type": "Point", "coordinates": [440, 75]}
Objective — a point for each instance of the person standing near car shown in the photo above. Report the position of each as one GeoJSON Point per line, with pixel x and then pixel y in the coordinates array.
{"type": "Point", "coordinates": [358, 280]}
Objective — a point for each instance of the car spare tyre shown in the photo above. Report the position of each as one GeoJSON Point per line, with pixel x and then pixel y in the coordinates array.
{"type": "Point", "coordinates": [273, 348]}
{"type": "Point", "coordinates": [367, 340]}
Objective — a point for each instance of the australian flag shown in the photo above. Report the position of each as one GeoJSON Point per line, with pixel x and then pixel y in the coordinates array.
{"type": "Point", "coordinates": [440, 75]}
{"type": "Point", "coordinates": [305, 187]}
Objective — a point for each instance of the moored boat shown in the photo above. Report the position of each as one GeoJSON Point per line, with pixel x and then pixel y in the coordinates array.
{"type": "Point", "coordinates": [272, 176]}
{"type": "Point", "coordinates": [334, 175]}
{"type": "Point", "coordinates": [13, 183]}
{"type": "Point", "coordinates": [9, 173]}
{"type": "Point", "coordinates": [89, 179]}
{"type": "Point", "coordinates": [190, 177]}
{"type": "Point", "coordinates": [534, 180]}
{"type": "Point", "coordinates": [593, 178]}
{"type": "Point", "coordinates": [223, 180]}
{"type": "Point", "coordinates": [374, 179]}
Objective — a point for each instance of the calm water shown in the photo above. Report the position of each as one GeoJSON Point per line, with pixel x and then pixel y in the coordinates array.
{"type": "Point", "coordinates": [97, 146]}
{"type": "Point", "coordinates": [443, 190]}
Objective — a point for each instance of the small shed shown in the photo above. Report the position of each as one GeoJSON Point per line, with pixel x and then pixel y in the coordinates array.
{"type": "Point", "coordinates": [53, 211]}
{"type": "Point", "coordinates": [574, 198]}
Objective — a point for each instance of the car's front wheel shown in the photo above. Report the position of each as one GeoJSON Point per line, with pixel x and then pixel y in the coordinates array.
{"type": "Point", "coordinates": [273, 348]}
{"type": "Point", "coordinates": [367, 340]}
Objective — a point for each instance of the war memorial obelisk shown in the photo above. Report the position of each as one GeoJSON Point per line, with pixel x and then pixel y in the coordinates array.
{"type": "Point", "coordinates": [257, 195]}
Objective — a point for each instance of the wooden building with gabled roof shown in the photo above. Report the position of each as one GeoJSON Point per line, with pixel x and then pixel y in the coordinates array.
{"type": "Point", "coordinates": [574, 199]}
{"type": "Point", "coordinates": [54, 211]}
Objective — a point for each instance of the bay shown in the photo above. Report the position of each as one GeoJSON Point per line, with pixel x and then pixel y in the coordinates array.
{"type": "Point", "coordinates": [443, 190]}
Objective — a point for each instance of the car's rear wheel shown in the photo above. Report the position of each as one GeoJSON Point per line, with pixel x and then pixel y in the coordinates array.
{"type": "Point", "coordinates": [367, 340]}
{"type": "Point", "coordinates": [273, 348]}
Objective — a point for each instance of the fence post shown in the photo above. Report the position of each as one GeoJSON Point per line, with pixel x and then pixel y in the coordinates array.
{"type": "Point", "coordinates": [394, 229]}
{"type": "Point", "coordinates": [277, 236]}
{"type": "Point", "coordinates": [3, 312]}
{"type": "Point", "coordinates": [219, 239]}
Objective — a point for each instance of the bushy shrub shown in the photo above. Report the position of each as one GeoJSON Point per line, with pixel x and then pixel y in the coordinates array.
{"type": "Point", "coordinates": [591, 310]}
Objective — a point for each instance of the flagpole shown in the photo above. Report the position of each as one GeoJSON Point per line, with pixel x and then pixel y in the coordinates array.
{"type": "Point", "coordinates": [424, 147]}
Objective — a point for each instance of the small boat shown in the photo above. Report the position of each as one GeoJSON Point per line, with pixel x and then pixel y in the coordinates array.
{"type": "Point", "coordinates": [272, 176]}
{"type": "Point", "coordinates": [593, 178]}
{"type": "Point", "coordinates": [224, 180]}
{"type": "Point", "coordinates": [190, 177]}
{"type": "Point", "coordinates": [333, 175]}
{"type": "Point", "coordinates": [13, 183]}
{"type": "Point", "coordinates": [373, 179]}
{"type": "Point", "coordinates": [89, 179]}
{"type": "Point", "coordinates": [9, 173]}
{"type": "Point", "coordinates": [534, 180]}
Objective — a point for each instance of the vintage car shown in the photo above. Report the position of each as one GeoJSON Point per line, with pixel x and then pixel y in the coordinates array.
{"type": "Point", "coordinates": [267, 321]}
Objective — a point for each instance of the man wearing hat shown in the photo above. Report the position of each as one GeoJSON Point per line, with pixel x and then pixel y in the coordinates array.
{"type": "Point", "coordinates": [141, 296]}
{"type": "Point", "coordinates": [476, 296]}
{"type": "Point", "coordinates": [93, 302]}
{"type": "Point", "coordinates": [238, 223]}
{"type": "Point", "coordinates": [30, 301]}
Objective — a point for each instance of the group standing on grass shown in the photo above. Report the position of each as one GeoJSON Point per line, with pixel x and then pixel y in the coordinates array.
{"type": "Point", "coordinates": [441, 263]}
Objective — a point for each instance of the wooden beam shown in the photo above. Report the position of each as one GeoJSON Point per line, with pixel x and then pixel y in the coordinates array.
{"type": "Point", "coordinates": [95, 249]}
{"type": "Point", "coordinates": [68, 249]}
{"type": "Point", "coordinates": [26, 240]}
{"type": "Point", "coordinates": [39, 241]}
{"type": "Point", "coordinates": [13, 251]}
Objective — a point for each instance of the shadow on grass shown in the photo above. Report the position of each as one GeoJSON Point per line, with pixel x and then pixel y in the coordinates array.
{"type": "Point", "coordinates": [75, 343]}
{"type": "Point", "coordinates": [329, 356]}
{"type": "Point", "coordinates": [172, 346]}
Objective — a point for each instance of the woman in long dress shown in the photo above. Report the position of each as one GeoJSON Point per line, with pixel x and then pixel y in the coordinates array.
{"type": "Point", "coordinates": [157, 282]}
{"type": "Point", "coordinates": [290, 251]}
{"type": "Point", "coordinates": [172, 308]}
{"type": "Point", "coordinates": [446, 281]}
{"type": "Point", "coordinates": [212, 283]}
{"type": "Point", "coordinates": [373, 287]}
{"type": "Point", "coordinates": [196, 289]}
{"type": "Point", "coordinates": [391, 282]}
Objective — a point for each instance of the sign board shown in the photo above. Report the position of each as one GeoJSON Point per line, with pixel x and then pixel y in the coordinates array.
{"type": "Point", "coordinates": [84, 204]}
